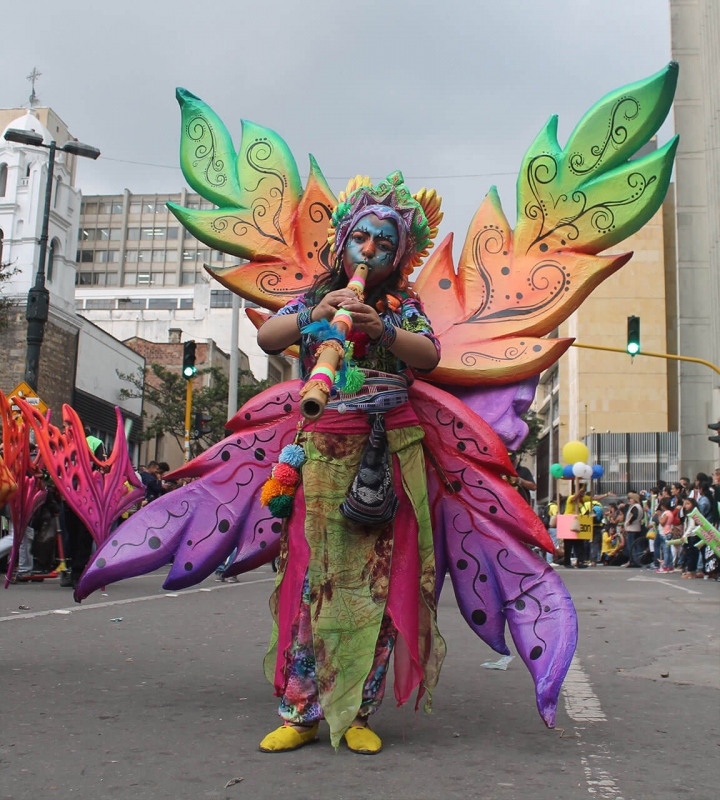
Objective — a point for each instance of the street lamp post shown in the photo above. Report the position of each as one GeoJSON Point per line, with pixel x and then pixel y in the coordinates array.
{"type": "Point", "coordinates": [38, 302]}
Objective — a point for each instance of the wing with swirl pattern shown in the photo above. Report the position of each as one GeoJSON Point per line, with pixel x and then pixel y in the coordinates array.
{"type": "Point", "coordinates": [263, 213]}
{"type": "Point", "coordinates": [482, 528]}
{"type": "Point", "coordinates": [200, 524]}
{"type": "Point", "coordinates": [514, 287]}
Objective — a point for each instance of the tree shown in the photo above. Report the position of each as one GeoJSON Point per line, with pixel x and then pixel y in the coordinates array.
{"type": "Point", "coordinates": [6, 303]}
{"type": "Point", "coordinates": [166, 390]}
{"type": "Point", "coordinates": [535, 426]}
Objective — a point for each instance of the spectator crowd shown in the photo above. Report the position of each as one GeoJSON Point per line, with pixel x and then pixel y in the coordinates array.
{"type": "Point", "coordinates": [655, 530]}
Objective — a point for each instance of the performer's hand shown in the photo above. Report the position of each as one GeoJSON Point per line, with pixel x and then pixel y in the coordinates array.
{"type": "Point", "coordinates": [327, 307]}
{"type": "Point", "coordinates": [365, 318]}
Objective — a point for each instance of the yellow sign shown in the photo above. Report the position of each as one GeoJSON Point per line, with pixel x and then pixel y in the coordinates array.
{"type": "Point", "coordinates": [30, 396]}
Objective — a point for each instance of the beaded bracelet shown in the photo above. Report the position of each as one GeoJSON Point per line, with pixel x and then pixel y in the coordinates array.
{"type": "Point", "coordinates": [304, 318]}
{"type": "Point", "coordinates": [388, 336]}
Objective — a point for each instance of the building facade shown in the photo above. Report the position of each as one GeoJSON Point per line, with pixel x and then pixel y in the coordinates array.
{"type": "Point", "coordinates": [140, 273]}
{"type": "Point", "coordinates": [78, 361]}
{"type": "Point", "coordinates": [591, 392]}
{"type": "Point", "coordinates": [695, 26]}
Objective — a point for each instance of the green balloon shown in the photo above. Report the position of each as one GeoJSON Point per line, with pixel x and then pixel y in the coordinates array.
{"type": "Point", "coordinates": [556, 470]}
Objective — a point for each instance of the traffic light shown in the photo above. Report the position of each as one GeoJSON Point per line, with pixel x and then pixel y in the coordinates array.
{"type": "Point", "coordinates": [189, 369]}
{"type": "Point", "coordinates": [715, 426]}
{"type": "Point", "coordinates": [633, 335]}
{"type": "Point", "coordinates": [202, 426]}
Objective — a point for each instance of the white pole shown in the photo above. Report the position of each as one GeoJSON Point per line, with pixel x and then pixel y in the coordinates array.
{"type": "Point", "coordinates": [234, 356]}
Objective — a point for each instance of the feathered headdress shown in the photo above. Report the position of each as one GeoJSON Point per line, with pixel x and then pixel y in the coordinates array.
{"type": "Point", "coordinates": [418, 216]}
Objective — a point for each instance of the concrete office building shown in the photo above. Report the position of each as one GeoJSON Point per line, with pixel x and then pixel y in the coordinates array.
{"type": "Point", "coordinates": [140, 274]}
{"type": "Point", "coordinates": [695, 26]}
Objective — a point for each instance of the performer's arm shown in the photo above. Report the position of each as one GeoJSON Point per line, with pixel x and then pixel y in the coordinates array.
{"type": "Point", "coordinates": [415, 349]}
{"type": "Point", "coordinates": [282, 330]}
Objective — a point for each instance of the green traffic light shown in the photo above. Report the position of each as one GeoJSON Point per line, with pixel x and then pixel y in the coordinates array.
{"type": "Point", "coordinates": [633, 348]}
{"type": "Point", "coordinates": [188, 372]}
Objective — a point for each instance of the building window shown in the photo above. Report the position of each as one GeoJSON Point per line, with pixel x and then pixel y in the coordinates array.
{"type": "Point", "coordinates": [98, 279]}
{"type": "Point", "coordinates": [79, 305]}
{"type": "Point", "coordinates": [158, 256]}
{"type": "Point", "coordinates": [133, 234]}
{"type": "Point", "coordinates": [131, 256]}
{"type": "Point", "coordinates": [102, 234]}
{"type": "Point", "coordinates": [117, 207]}
{"type": "Point", "coordinates": [87, 234]}
{"type": "Point", "coordinates": [104, 208]}
{"type": "Point", "coordinates": [107, 256]}
{"type": "Point", "coordinates": [135, 208]}
{"type": "Point", "coordinates": [129, 279]}
{"type": "Point", "coordinates": [143, 278]}
{"type": "Point", "coordinates": [186, 302]}
{"type": "Point", "coordinates": [250, 304]}
{"type": "Point", "coordinates": [144, 256]}
{"type": "Point", "coordinates": [152, 233]}
{"type": "Point", "coordinates": [188, 255]}
{"type": "Point", "coordinates": [163, 303]}
{"type": "Point", "coordinates": [220, 298]}
{"type": "Point", "coordinates": [170, 279]}
{"type": "Point", "coordinates": [2, 236]}
{"type": "Point", "coordinates": [56, 189]}
{"type": "Point", "coordinates": [203, 255]}
{"type": "Point", "coordinates": [83, 278]}
{"type": "Point", "coordinates": [112, 279]}
{"type": "Point", "coordinates": [99, 305]}
{"type": "Point", "coordinates": [187, 278]}
{"type": "Point", "coordinates": [133, 303]}
{"type": "Point", "coordinates": [3, 179]}
{"type": "Point", "coordinates": [89, 208]}
{"type": "Point", "coordinates": [171, 255]}
{"type": "Point", "coordinates": [148, 207]}
{"type": "Point", "coordinates": [52, 255]}
{"type": "Point", "coordinates": [115, 234]}
{"type": "Point", "coordinates": [158, 278]}
{"type": "Point", "coordinates": [172, 233]}
{"type": "Point", "coordinates": [86, 257]}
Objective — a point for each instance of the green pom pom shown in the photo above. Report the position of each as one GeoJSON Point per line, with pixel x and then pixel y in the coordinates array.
{"type": "Point", "coordinates": [354, 381]}
{"type": "Point", "coordinates": [281, 506]}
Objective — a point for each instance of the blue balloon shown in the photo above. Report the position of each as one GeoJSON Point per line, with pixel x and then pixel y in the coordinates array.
{"type": "Point", "coordinates": [567, 471]}
{"type": "Point", "coordinates": [598, 471]}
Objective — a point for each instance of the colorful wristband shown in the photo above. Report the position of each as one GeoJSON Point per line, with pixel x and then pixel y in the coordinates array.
{"type": "Point", "coordinates": [304, 318]}
{"type": "Point", "coordinates": [388, 336]}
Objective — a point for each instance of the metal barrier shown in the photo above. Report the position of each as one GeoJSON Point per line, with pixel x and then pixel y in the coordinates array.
{"type": "Point", "coordinates": [634, 460]}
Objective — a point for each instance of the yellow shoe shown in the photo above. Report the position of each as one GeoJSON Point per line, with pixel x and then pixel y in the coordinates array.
{"type": "Point", "coordinates": [286, 738]}
{"type": "Point", "coordinates": [362, 740]}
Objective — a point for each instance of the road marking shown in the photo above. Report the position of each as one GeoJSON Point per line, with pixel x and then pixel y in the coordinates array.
{"type": "Point", "coordinates": [110, 603]}
{"type": "Point", "coordinates": [599, 781]}
{"type": "Point", "coordinates": [640, 578]}
{"type": "Point", "coordinates": [581, 702]}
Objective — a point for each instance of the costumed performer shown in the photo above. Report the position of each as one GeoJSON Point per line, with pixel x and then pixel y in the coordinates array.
{"type": "Point", "coordinates": [354, 583]}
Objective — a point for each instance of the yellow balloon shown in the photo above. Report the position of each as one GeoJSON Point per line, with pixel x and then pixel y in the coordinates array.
{"type": "Point", "coordinates": [574, 452]}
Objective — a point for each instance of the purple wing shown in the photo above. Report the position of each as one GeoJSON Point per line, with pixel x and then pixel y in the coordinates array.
{"type": "Point", "coordinates": [482, 527]}
{"type": "Point", "coordinates": [200, 524]}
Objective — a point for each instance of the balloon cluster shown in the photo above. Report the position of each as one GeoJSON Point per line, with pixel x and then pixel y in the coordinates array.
{"type": "Point", "coordinates": [576, 454]}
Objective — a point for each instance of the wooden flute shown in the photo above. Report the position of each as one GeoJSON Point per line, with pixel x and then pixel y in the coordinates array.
{"type": "Point", "coordinates": [316, 392]}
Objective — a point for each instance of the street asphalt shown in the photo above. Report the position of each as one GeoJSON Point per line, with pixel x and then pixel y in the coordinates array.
{"type": "Point", "coordinates": [138, 693]}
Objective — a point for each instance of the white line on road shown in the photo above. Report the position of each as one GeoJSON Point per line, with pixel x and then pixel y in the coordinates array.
{"type": "Point", "coordinates": [666, 582]}
{"type": "Point", "coordinates": [92, 606]}
{"type": "Point", "coordinates": [581, 702]}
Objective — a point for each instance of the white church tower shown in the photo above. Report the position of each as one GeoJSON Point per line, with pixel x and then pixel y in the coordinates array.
{"type": "Point", "coordinates": [23, 176]}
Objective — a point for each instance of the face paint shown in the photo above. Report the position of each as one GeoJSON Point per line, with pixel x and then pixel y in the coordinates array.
{"type": "Point", "coordinates": [373, 241]}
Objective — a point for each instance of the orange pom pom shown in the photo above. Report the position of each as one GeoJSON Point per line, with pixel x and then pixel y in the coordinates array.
{"type": "Point", "coordinates": [272, 488]}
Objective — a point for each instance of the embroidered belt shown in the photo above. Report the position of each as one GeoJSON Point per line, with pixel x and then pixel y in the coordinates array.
{"type": "Point", "coordinates": [380, 392]}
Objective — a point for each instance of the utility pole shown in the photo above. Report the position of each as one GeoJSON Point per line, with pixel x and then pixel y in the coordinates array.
{"type": "Point", "coordinates": [234, 356]}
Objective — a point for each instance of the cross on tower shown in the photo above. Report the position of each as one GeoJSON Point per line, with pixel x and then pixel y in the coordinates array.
{"type": "Point", "coordinates": [32, 77]}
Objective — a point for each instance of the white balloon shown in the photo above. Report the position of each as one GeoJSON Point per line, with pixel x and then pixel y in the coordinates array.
{"type": "Point", "coordinates": [579, 469]}
{"type": "Point", "coordinates": [587, 472]}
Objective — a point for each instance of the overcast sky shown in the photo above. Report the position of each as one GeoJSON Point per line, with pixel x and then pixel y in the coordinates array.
{"type": "Point", "coordinates": [451, 92]}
